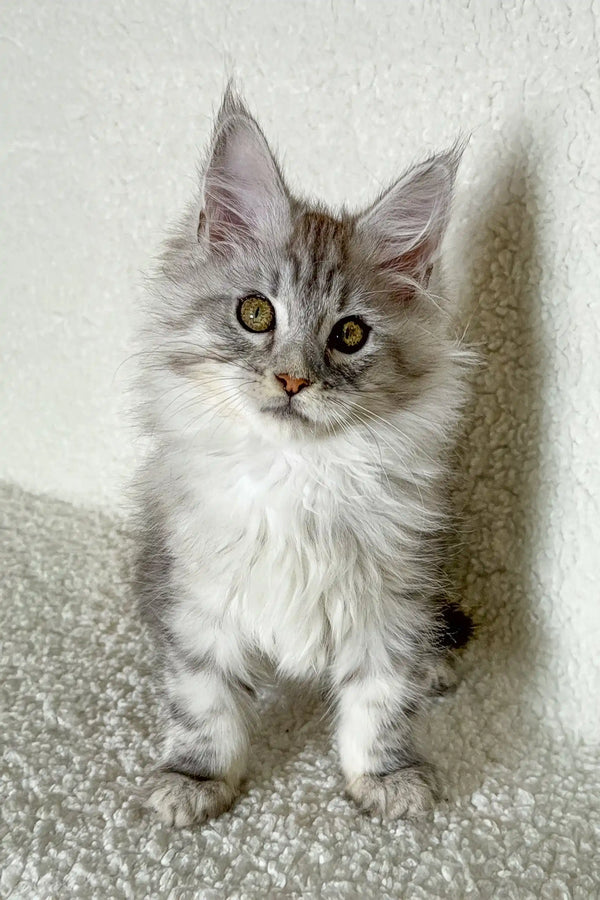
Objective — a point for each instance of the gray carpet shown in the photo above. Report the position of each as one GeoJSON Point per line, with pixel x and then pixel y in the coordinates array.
{"type": "Point", "coordinates": [520, 817]}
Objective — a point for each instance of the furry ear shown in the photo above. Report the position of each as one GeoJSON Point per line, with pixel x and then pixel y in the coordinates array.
{"type": "Point", "coordinates": [245, 198]}
{"type": "Point", "coordinates": [406, 225]}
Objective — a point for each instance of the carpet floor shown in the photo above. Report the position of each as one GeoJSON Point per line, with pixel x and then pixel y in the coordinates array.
{"type": "Point", "coordinates": [520, 817]}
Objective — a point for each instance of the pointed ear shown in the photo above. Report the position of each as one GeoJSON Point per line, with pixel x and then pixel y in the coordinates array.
{"type": "Point", "coordinates": [405, 227]}
{"type": "Point", "coordinates": [245, 199]}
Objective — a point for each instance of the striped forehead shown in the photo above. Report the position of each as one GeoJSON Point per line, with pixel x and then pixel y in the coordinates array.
{"type": "Point", "coordinates": [315, 262]}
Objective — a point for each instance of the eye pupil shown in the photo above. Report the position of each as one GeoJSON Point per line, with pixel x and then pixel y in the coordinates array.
{"type": "Point", "coordinates": [256, 314]}
{"type": "Point", "coordinates": [352, 333]}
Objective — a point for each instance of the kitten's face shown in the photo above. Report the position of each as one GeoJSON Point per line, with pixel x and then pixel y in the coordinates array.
{"type": "Point", "coordinates": [307, 339]}
{"type": "Point", "coordinates": [291, 320]}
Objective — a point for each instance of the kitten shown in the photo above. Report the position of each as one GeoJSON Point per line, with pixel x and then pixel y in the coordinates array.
{"type": "Point", "coordinates": [300, 389]}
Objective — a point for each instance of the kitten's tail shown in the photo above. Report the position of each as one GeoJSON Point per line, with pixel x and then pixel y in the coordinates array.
{"type": "Point", "coordinates": [457, 626]}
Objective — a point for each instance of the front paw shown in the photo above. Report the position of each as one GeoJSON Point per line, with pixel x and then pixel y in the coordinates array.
{"type": "Point", "coordinates": [180, 800]}
{"type": "Point", "coordinates": [407, 793]}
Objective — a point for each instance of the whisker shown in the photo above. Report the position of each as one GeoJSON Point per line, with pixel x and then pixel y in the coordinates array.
{"type": "Point", "coordinates": [197, 386]}
{"type": "Point", "coordinates": [223, 397]}
{"type": "Point", "coordinates": [411, 475]}
{"type": "Point", "coordinates": [385, 421]}
{"type": "Point", "coordinates": [189, 349]}
{"type": "Point", "coordinates": [347, 430]}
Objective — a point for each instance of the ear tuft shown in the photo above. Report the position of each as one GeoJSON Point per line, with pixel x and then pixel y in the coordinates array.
{"type": "Point", "coordinates": [406, 225]}
{"type": "Point", "coordinates": [232, 104]}
{"type": "Point", "coordinates": [245, 199]}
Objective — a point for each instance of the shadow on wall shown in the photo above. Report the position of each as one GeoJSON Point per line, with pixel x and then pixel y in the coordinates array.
{"type": "Point", "coordinates": [498, 495]}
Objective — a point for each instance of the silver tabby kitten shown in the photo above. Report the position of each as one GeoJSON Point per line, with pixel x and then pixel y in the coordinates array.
{"type": "Point", "coordinates": [300, 389]}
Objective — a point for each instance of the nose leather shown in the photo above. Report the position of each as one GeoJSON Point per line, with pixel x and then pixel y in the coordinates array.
{"type": "Point", "coordinates": [291, 385]}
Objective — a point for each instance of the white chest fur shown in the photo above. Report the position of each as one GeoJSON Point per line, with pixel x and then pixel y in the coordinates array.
{"type": "Point", "coordinates": [298, 550]}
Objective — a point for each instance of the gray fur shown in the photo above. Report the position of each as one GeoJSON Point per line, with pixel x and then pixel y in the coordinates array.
{"type": "Point", "coordinates": [220, 424]}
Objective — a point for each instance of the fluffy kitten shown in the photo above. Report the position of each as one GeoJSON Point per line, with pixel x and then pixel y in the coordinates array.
{"type": "Point", "coordinates": [300, 389]}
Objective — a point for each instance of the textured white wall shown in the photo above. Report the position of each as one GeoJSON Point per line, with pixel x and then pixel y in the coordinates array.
{"type": "Point", "coordinates": [105, 106]}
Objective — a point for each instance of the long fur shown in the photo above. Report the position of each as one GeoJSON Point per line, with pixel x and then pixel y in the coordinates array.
{"type": "Point", "coordinates": [304, 530]}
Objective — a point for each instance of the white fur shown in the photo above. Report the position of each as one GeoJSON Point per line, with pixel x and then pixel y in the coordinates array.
{"type": "Point", "coordinates": [302, 551]}
{"type": "Point", "coordinates": [299, 528]}
{"type": "Point", "coordinates": [260, 525]}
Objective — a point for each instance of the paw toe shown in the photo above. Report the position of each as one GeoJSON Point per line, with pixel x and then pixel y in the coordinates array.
{"type": "Point", "coordinates": [407, 793]}
{"type": "Point", "coordinates": [180, 801]}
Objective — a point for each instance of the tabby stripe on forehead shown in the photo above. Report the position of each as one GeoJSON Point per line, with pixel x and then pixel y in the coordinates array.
{"type": "Point", "coordinates": [325, 238]}
{"type": "Point", "coordinates": [343, 294]}
{"type": "Point", "coordinates": [295, 261]}
{"type": "Point", "coordinates": [312, 282]}
{"type": "Point", "coordinates": [318, 250]}
{"type": "Point", "coordinates": [329, 280]}
{"type": "Point", "coordinates": [316, 236]}
{"type": "Point", "coordinates": [275, 282]}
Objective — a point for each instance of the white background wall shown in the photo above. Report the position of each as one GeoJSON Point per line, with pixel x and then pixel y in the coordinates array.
{"type": "Point", "coordinates": [105, 106]}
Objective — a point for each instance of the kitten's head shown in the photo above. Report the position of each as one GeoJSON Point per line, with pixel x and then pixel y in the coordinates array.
{"type": "Point", "coordinates": [293, 320]}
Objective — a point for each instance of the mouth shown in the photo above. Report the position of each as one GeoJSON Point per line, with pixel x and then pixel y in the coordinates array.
{"type": "Point", "coordinates": [286, 411]}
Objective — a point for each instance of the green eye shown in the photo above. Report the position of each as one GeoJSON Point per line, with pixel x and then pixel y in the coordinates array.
{"type": "Point", "coordinates": [349, 335]}
{"type": "Point", "coordinates": [256, 313]}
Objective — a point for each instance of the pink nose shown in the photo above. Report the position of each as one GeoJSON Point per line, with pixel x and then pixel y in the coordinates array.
{"type": "Point", "coordinates": [290, 384]}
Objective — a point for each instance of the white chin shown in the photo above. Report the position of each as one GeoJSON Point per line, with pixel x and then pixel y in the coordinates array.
{"type": "Point", "coordinates": [284, 422]}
